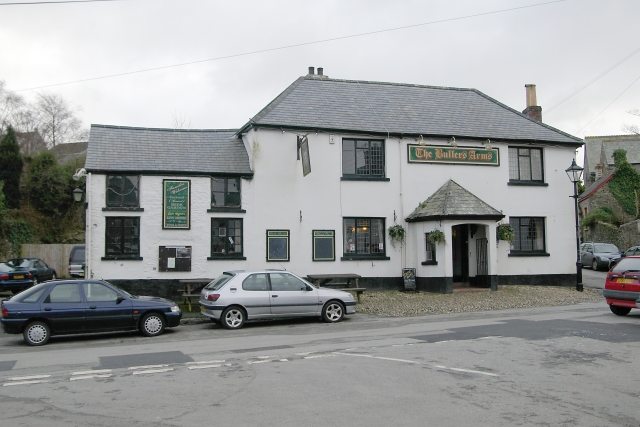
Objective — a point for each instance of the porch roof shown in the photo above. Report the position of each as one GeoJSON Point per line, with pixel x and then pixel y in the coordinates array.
{"type": "Point", "coordinates": [451, 201]}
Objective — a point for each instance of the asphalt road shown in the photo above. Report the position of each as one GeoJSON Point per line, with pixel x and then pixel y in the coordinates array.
{"type": "Point", "coordinates": [593, 279]}
{"type": "Point", "coordinates": [573, 366]}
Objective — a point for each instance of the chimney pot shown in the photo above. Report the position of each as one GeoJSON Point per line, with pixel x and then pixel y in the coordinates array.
{"type": "Point", "coordinates": [311, 71]}
{"type": "Point", "coordinates": [533, 110]}
{"type": "Point", "coordinates": [320, 71]}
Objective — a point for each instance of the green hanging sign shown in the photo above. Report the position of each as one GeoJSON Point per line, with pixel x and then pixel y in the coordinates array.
{"type": "Point", "coordinates": [457, 155]}
{"type": "Point", "coordinates": [176, 204]}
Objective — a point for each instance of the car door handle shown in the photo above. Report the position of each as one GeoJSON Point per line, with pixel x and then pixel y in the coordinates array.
{"type": "Point", "coordinates": [274, 296]}
{"type": "Point", "coordinates": [47, 309]}
{"type": "Point", "coordinates": [92, 307]}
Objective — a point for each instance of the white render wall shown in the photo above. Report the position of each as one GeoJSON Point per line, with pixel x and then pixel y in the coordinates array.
{"type": "Point", "coordinates": [279, 197]}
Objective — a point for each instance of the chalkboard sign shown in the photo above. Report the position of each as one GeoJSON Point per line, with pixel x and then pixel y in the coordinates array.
{"type": "Point", "coordinates": [409, 277]}
{"type": "Point", "coordinates": [324, 245]}
{"type": "Point", "coordinates": [176, 204]}
{"type": "Point", "coordinates": [277, 245]}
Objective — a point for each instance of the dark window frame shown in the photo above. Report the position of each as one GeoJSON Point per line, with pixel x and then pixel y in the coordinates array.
{"type": "Point", "coordinates": [523, 234]}
{"type": "Point", "coordinates": [381, 176]}
{"type": "Point", "coordinates": [226, 207]}
{"type": "Point", "coordinates": [429, 247]}
{"type": "Point", "coordinates": [227, 244]}
{"type": "Point", "coordinates": [109, 240]}
{"type": "Point", "coordinates": [519, 160]}
{"type": "Point", "coordinates": [122, 192]}
{"type": "Point", "coordinates": [358, 256]}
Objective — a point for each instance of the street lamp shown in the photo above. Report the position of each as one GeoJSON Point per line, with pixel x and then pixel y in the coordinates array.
{"type": "Point", "coordinates": [574, 171]}
{"type": "Point", "coordinates": [77, 194]}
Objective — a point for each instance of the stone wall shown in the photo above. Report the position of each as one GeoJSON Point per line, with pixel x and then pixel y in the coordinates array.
{"type": "Point", "coordinates": [630, 235]}
{"type": "Point", "coordinates": [605, 233]}
{"type": "Point", "coordinates": [604, 198]}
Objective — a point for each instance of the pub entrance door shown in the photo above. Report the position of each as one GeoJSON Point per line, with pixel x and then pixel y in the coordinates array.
{"type": "Point", "coordinates": [460, 248]}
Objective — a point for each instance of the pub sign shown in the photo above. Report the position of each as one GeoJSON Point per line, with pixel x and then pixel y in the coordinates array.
{"type": "Point", "coordinates": [457, 155]}
{"type": "Point", "coordinates": [176, 204]}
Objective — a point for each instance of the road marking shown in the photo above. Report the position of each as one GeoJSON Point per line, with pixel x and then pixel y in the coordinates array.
{"type": "Point", "coordinates": [28, 377]}
{"type": "Point", "coordinates": [87, 377]}
{"type": "Point", "coordinates": [378, 357]}
{"type": "Point", "coordinates": [25, 382]}
{"type": "Point", "coordinates": [469, 371]}
{"type": "Point", "coordinates": [147, 367]}
{"type": "Point", "coordinates": [153, 371]}
{"type": "Point", "coordinates": [208, 362]}
{"type": "Point", "coordinates": [318, 356]}
{"type": "Point", "coordinates": [304, 354]}
{"type": "Point", "coordinates": [267, 357]}
{"type": "Point", "coordinates": [204, 366]}
{"type": "Point", "coordinates": [96, 372]}
{"type": "Point", "coordinates": [259, 361]}
{"type": "Point", "coordinates": [284, 360]}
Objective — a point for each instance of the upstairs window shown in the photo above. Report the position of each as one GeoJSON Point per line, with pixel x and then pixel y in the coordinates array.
{"type": "Point", "coordinates": [123, 191]}
{"type": "Point", "coordinates": [362, 159]}
{"type": "Point", "coordinates": [525, 165]}
{"type": "Point", "coordinates": [225, 192]}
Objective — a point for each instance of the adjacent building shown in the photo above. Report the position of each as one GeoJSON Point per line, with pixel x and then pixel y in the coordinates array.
{"type": "Point", "coordinates": [313, 182]}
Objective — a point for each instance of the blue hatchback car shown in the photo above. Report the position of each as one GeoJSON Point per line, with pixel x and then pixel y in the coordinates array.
{"type": "Point", "coordinates": [83, 306]}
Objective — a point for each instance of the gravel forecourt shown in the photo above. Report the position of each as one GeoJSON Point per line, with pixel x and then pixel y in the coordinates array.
{"type": "Point", "coordinates": [403, 304]}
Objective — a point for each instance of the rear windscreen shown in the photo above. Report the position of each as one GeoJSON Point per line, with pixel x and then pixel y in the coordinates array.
{"type": "Point", "coordinates": [627, 265]}
{"type": "Point", "coordinates": [77, 256]}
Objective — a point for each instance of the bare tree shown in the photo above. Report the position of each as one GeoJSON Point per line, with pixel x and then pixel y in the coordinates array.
{"type": "Point", "coordinates": [11, 106]}
{"type": "Point", "coordinates": [57, 120]}
{"type": "Point", "coordinates": [632, 128]}
{"type": "Point", "coordinates": [178, 121]}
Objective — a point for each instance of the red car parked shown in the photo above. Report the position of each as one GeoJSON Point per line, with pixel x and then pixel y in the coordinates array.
{"type": "Point", "coordinates": [622, 287]}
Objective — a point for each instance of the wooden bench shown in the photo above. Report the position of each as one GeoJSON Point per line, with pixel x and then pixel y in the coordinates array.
{"type": "Point", "coordinates": [341, 282]}
{"type": "Point", "coordinates": [188, 294]}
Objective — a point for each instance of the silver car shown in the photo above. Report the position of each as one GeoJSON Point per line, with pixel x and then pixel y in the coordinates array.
{"type": "Point", "coordinates": [237, 296]}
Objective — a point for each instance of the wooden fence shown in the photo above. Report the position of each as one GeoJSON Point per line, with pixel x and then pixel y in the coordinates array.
{"type": "Point", "coordinates": [57, 256]}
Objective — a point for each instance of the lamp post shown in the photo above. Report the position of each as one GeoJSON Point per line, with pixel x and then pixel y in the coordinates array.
{"type": "Point", "coordinates": [574, 171]}
{"type": "Point", "coordinates": [77, 194]}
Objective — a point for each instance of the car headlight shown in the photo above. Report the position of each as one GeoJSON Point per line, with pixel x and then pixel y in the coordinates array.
{"type": "Point", "coordinates": [604, 258]}
{"type": "Point", "coordinates": [175, 309]}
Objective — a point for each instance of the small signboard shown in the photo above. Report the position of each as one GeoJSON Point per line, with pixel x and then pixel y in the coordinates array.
{"type": "Point", "coordinates": [176, 204]}
{"type": "Point", "coordinates": [174, 258]}
{"type": "Point", "coordinates": [458, 155]}
{"type": "Point", "coordinates": [306, 161]}
{"type": "Point", "coordinates": [409, 278]}
{"type": "Point", "coordinates": [324, 245]}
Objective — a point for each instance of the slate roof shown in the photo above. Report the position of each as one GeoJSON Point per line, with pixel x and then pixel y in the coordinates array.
{"type": "Point", "coordinates": [321, 103]}
{"type": "Point", "coordinates": [143, 150]}
{"type": "Point", "coordinates": [590, 191]}
{"type": "Point", "coordinates": [594, 144]}
{"type": "Point", "coordinates": [451, 201]}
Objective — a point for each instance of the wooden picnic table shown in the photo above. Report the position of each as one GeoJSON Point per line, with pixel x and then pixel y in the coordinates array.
{"type": "Point", "coordinates": [343, 282]}
{"type": "Point", "coordinates": [187, 293]}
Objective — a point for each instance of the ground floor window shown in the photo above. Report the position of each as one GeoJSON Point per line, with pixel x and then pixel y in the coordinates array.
{"type": "Point", "coordinates": [529, 235]}
{"type": "Point", "coordinates": [277, 245]}
{"type": "Point", "coordinates": [226, 238]}
{"type": "Point", "coordinates": [364, 237]}
{"type": "Point", "coordinates": [430, 250]}
{"type": "Point", "coordinates": [122, 237]}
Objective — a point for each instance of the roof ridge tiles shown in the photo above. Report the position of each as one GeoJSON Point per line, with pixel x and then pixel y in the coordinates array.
{"type": "Point", "coordinates": [161, 129]}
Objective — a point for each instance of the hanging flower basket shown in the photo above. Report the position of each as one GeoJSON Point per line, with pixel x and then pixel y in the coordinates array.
{"type": "Point", "coordinates": [397, 234]}
{"type": "Point", "coordinates": [436, 236]}
{"type": "Point", "coordinates": [505, 232]}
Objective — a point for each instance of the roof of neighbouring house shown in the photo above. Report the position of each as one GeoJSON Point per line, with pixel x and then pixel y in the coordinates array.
{"type": "Point", "coordinates": [594, 144]}
{"type": "Point", "coordinates": [321, 103]}
{"type": "Point", "coordinates": [451, 201]}
{"type": "Point", "coordinates": [144, 150]}
{"type": "Point", "coordinates": [588, 192]}
{"type": "Point", "coordinates": [70, 150]}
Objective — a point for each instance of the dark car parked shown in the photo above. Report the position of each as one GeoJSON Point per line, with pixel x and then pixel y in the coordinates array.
{"type": "Point", "coordinates": [599, 255]}
{"type": "Point", "coordinates": [37, 267]}
{"type": "Point", "coordinates": [14, 279]}
{"type": "Point", "coordinates": [82, 306]}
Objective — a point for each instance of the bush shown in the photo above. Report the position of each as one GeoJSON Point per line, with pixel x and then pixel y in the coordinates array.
{"type": "Point", "coordinates": [50, 186]}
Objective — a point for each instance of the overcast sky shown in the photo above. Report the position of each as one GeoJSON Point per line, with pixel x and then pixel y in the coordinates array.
{"type": "Point", "coordinates": [559, 46]}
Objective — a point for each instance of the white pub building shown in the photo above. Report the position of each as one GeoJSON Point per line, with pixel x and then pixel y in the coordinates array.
{"type": "Point", "coordinates": [314, 182]}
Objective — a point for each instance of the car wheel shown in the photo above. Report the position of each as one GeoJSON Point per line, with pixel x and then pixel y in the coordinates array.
{"type": "Point", "coordinates": [333, 312]}
{"type": "Point", "coordinates": [152, 324]}
{"type": "Point", "coordinates": [619, 311]}
{"type": "Point", "coordinates": [232, 318]}
{"type": "Point", "coordinates": [36, 333]}
{"type": "Point", "coordinates": [594, 265]}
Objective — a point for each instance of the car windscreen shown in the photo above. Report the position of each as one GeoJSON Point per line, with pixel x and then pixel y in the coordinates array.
{"type": "Point", "coordinates": [218, 282]}
{"type": "Point", "coordinates": [627, 265]}
{"type": "Point", "coordinates": [606, 248]}
{"type": "Point", "coordinates": [77, 256]}
{"type": "Point", "coordinates": [19, 262]}
{"type": "Point", "coordinates": [6, 268]}
{"type": "Point", "coordinates": [30, 295]}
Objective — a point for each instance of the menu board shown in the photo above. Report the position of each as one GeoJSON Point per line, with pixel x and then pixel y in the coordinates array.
{"type": "Point", "coordinates": [176, 204]}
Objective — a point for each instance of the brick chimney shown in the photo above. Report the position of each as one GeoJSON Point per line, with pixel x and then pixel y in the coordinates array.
{"type": "Point", "coordinates": [533, 110]}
